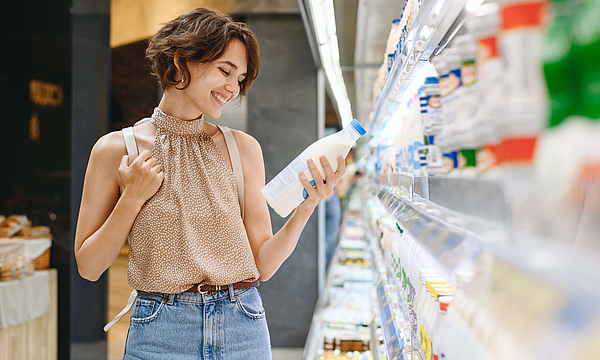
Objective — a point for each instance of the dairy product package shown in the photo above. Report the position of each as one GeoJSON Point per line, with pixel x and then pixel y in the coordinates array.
{"type": "Point", "coordinates": [285, 192]}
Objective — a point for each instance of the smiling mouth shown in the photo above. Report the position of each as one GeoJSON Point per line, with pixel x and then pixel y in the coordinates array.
{"type": "Point", "coordinates": [220, 98]}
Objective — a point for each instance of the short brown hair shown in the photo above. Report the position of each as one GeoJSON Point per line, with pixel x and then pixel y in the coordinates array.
{"type": "Point", "coordinates": [200, 36]}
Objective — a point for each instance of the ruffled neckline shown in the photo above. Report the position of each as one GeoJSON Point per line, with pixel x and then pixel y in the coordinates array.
{"type": "Point", "coordinates": [175, 125]}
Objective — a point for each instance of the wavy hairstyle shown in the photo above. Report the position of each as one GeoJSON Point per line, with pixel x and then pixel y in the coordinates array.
{"type": "Point", "coordinates": [200, 36]}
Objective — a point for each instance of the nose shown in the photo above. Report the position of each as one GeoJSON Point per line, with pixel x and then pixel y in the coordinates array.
{"type": "Point", "coordinates": [232, 87]}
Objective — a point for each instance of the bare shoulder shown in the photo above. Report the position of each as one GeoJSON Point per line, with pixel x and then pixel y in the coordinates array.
{"type": "Point", "coordinates": [249, 147]}
{"type": "Point", "coordinates": [110, 148]}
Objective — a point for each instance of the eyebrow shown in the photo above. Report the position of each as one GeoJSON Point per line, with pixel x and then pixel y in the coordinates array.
{"type": "Point", "coordinates": [231, 64]}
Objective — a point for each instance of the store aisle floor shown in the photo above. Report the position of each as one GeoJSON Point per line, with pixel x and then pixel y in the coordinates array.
{"type": "Point", "coordinates": [119, 293]}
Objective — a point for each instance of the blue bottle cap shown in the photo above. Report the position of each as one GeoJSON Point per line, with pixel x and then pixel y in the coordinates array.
{"type": "Point", "coordinates": [358, 127]}
{"type": "Point", "coordinates": [431, 80]}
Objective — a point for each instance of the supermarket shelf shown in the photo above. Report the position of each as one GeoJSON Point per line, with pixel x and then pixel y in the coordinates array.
{"type": "Point", "coordinates": [383, 276]}
{"type": "Point", "coordinates": [374, 341]}
{"type": "Point", "coordinates": [520, 273]}
{"type": "Point", "coordinates": [315, 336]}
{"type": "Point", "coordinates": [459, 195]}
{"type": "Point", "coordinates": [392, 333]}
{"type": "Point", "coordinates": [434, 26]}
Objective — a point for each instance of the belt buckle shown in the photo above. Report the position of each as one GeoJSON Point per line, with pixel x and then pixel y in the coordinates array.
{"type": "Point", "coordinates": [212, 292]}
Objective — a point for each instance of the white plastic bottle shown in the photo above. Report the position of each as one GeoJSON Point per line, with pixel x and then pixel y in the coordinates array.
{"type": "Point", "coordinates": [285, 192]}
{"type": "Point", "coordinates": [467, 50]}
{"type": "Point", "coordinates": [452, 94]}
{"type": "Point", "coordinates": [425, 298]}
{"type": "Point", "coordinates": [390, 48]}
{"type": "Point", "coordinates": [439, 335]}
{"type": "Point", "coordinates": [431, 106]}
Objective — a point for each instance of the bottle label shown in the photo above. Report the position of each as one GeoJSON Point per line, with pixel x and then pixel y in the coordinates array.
{"type": "Point", "coordinates": [450, 82]}
{"type": "Point", "coordinates": [434, 101]}
{"type": "Point", "coordinates": [485, 159]}
{"type": "Point", "coordinates": [449, 162]}
{"type": "Point", "coordinates": [414, 162]}
{"type": "Point", "coordinates": [444, 85]}
{"type": "Point", "coordinates": [390, 61]}
{"type": "Point", "coordinates": [468, 73]}
{"type": "Point", "coordinates": [286, 178]}
{"type": "Point", "coordinates": [434, 110]}
{"type": "Point", "coordinates": [427, 349]}
{"type": "Point", "coordinates": [488, 49]}
{"type": "Point", "coordinates": [424, 116]}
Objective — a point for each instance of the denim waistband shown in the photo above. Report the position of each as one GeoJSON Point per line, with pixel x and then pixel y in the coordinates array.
{"type": "Point", "coordinates": [227, 292]}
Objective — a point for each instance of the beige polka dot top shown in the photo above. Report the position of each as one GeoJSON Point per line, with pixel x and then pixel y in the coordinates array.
{"type": "Point", "coordinates": [191, 231]}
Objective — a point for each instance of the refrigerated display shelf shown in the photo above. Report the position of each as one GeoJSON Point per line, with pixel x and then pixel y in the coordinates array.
{"type": "Point", "coordinates": [315, 332]}
{"type": "Point", "coordinates": [348, 270]}
{"type": "Point", "coordinates": [436, 23]}
{"type": "Point", "coordinates": [374, 341]}
{"type": "Point", "coordinates": [383, 275]}
{"type": "Point", "coordinates": [524, 274]}
{"type": "Point", "coordinates": [460, 195]}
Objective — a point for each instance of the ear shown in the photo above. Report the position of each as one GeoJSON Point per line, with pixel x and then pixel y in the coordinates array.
{"type": "Point", "coordinates": [176, 60]}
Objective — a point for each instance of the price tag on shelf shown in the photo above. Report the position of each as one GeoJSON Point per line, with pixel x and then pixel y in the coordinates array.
{"type": "Point", "coordinates": [390, 332]}
{"type": "Point", "coordinates": [388, 321]}
{"type": "Point", "coordinates": [396, 351]}
{"type": "Point", "coordinates": [385, 301]}
{"type": "Point", "coordinates": [397, 335]}
{"type": "Point", "coordinates": [381, 290]}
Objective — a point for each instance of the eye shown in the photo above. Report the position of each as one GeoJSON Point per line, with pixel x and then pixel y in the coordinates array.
{"type": "Point", "coordinates": [224, 72]}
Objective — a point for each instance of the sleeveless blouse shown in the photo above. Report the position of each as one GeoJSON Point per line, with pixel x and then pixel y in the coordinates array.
{"type": "Point", "coordinates": [191, 231]}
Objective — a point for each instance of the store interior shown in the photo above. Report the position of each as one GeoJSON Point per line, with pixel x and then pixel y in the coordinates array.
{"type": "Point", "coordinates": [467, 223]}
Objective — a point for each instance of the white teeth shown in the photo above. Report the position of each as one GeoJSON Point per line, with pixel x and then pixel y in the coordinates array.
{"type": "Point", "coordinates": [220, 98]}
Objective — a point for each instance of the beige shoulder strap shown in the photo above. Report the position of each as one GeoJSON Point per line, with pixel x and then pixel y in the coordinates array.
{"type": "Point", "coordinates": [130, 143]}
{"type": "Point", "coordinates": [236, 163]}
{"type": "Point", "coordinates": [132, 151]}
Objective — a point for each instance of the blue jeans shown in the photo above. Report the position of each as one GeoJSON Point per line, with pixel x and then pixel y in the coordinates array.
{"type": "Point", "coordinates": [228, 325]}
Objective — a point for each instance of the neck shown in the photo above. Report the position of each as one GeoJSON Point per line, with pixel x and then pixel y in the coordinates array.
{"type": "Point", "coordinates": [175, 103]}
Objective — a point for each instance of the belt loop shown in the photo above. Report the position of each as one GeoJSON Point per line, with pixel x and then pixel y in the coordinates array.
{"type": "Point", "coordinates": [171, 299]}
{"type": "Point", "coordinates": [231, 294]}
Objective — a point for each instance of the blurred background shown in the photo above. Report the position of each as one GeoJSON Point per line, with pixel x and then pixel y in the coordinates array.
{"type": "Point", "coordinates": [482, 120]}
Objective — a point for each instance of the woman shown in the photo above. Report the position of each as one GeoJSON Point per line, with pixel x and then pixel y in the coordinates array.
{"type": "Point", "coordinates": [193, 260]}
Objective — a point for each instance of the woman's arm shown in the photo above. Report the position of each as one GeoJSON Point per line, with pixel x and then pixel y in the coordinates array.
{"type": "Point", "coordinates": [269, 250]}
{"type": "Point", "coordinates": [105, 218]}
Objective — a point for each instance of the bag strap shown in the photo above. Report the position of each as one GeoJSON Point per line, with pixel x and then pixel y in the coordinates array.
{"type": "Point", "coordinates": [236, 163]}
{"type": "Point", "coordinates": [130, 143]}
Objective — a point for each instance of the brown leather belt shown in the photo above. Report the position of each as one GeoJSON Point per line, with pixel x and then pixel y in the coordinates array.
{"type": "Point", "coordinates": [214, 288]}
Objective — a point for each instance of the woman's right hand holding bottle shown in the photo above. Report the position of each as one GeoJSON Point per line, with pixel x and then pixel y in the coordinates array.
{"type": "Point", "coordinates": [140, 179]}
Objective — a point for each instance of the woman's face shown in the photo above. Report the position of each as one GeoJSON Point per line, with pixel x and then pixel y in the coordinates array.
{"type": "Point", "coordinates": [215, 84]}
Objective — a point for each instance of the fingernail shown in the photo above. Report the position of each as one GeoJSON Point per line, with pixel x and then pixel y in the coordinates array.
{"type": "Point", "coordinates": [301, 173]}
{"type": "Point", "coordinates": [310, 161]}
{"type": "Point", "coordinates": [323, 158]}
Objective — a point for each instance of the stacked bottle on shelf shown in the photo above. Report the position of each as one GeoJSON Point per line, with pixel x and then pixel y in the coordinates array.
{"type": "Point", "coordinates": [492, 107]}
{"type": "Point", "coordinates": [570, 146]}
{"type": "Point", "coordinates": [504, 81]}
{"type": "Point", "coordinates": [425, 292]}
{"type": "Point", "coordinates": [395, 46]}
{"type": "Point", "coordinates": [439, 316]}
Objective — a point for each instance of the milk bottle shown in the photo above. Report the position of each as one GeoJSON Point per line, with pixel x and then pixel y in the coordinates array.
{"type": "Point", "coordinates": [285, 192]}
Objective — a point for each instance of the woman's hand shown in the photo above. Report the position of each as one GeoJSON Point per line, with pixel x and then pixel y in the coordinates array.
{"type": "Point", "coordinates": [142, 178]}
{"type": "Point", "coordinates": [322, 189]}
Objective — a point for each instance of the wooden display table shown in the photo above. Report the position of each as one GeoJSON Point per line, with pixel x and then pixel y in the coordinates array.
{"type": "Point", "coordinates": [35, 339]}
